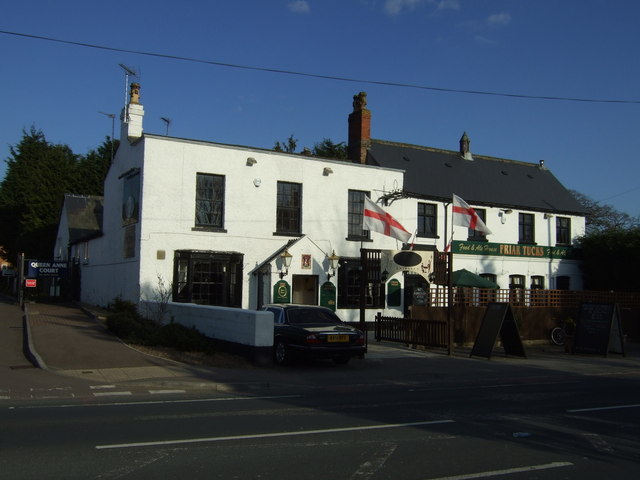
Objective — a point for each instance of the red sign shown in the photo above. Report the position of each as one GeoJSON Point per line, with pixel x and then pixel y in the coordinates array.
{"type": "Point", "coordinates": [30, 282]}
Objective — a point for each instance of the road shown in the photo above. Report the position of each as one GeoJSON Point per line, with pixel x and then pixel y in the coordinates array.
{"type": "Point", "coordinates": [539, 424]}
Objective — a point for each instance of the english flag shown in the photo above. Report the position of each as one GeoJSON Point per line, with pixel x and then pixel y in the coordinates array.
{"type": "Point", "coordinates": [377, 220]}
{"type": "Point", "coordinates": [465, 216]}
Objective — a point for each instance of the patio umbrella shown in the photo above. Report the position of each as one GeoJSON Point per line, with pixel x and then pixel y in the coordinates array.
{"type": "Point", "coordinates": [465, 278]}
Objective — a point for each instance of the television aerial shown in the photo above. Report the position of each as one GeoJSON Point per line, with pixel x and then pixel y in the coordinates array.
{"type": "Point", "coordinates": [128, 72]}
{"type": "Point", "coordinates": [167, 121]}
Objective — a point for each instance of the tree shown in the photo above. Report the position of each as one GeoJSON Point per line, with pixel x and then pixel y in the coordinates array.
{"type": "Point", "coordinates": [602, 218]}
{"type": "Point", "coordinates": [93, 168]}
{"type": "Point", "coordinates": [288, 147]}
{"type": "Point", "coordinates": [609, 260]}
{"type": "Point", "coordinates": [610, 245]}
{"type": "Point", "coordinates": [38, 175]}
{"type": "Point", "coordinates": [327, 149]}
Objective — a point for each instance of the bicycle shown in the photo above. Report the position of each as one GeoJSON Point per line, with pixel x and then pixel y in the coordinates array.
{"type": "Point", "coordinates": [559, 334]}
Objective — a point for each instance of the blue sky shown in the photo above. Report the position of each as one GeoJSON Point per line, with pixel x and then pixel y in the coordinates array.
{"type": "Point", "coordinates": [583, 49]}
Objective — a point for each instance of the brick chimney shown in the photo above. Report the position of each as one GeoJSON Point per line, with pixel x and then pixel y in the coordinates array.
{"type": "Point", "coordinates": [131, 116]}
{"type": "Point", "coordinates": [359, 130]}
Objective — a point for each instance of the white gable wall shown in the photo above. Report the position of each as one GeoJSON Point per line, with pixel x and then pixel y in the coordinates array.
{"type": "Point", "coordinates": [106, 274]}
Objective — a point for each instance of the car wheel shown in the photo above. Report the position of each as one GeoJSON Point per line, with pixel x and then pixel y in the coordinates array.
{"type": "Point", "coordinates": [280, 353]}
{"type": "Point", "coordinates": [341, 360]}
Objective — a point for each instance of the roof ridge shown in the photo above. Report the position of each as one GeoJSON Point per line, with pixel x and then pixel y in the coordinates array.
{"type": "Point", "coordinates": [454, 152]}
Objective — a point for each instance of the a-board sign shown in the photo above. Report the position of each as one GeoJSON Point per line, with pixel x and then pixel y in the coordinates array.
{"type": "Point", "coordinates": [498, 320]}
{"type": "Point", "coordinates": [328, 295]}
{"type": "Point", "coordinates": [598, 329]}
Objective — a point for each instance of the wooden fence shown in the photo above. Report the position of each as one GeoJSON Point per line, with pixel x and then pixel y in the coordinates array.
{"type": "Point", "coordinates": [536, 312]}
{"type": "Point", "coordinates": [411, 331]}
{"type": "Point", "coordinates": [479, 297]}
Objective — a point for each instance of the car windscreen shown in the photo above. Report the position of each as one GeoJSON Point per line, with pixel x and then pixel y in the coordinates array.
{"type": "Point", "coordinates": [298, 316]}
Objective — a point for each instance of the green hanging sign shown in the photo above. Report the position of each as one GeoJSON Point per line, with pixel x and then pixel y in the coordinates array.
{"type": "Point", "coordinates": [328, 295]}
{"type": "Point", "coordinates": [281, 292]}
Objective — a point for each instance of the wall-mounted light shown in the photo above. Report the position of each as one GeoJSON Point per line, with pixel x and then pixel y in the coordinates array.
{"type": "Point", "coordinates": [547, 216]}
{"type": "Point", "coordinates": [327, 171]}
{"type": "Point", "coordinates": [251, 162]}
{"type": "Point", "coordinates": [334, 260]}
{"type": "Point", "coordinates": [384, 275]}
{"type": "Point", "coordinates": [286, 263]}
{"type": "Point", "coordinates": [502, 214]}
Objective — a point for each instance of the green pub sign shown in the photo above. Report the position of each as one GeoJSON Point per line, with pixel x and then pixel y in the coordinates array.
{"type": "Point", "coordinates": [282, 292]}
{"type": "Point", "coordinates": [512, 250]}
{"type": "Point", "coordinates": [328, 295]}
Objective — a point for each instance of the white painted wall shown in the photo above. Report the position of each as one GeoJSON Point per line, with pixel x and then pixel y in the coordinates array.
{"type": "Point", "coordinates": [246, 327]}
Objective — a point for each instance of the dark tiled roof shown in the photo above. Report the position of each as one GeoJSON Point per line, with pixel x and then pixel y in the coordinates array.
{"type": "Point", "coordinates": [436, 174]}
{"type": "Point", "coordinates": [84, 216]}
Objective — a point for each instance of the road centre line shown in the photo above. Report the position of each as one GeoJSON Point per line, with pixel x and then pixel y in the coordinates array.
{"type": "Point", "coordinates": [508, 471]}
{"type": "Point", "coordinates": [151, 402]}
{"type": "Point", "coordinates": [112, 394]}
{"type": "Point", "coordinates": [596, 409]}
{"type": "Point", "coordinates": [497, 385]}
{"type": "Point", "coordinates": [269, 435]}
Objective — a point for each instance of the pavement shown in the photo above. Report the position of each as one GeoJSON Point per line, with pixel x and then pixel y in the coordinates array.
{"type": "Point", "coordinates": [72, 341]}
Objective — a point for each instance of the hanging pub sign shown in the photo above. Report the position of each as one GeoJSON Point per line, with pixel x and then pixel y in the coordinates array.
{"type": "Point", "coordinates": [39, 268]}
{"type": "Point", "coordinates": [282, 292]}
{"type": "Point", "coordinates": [418, 262]}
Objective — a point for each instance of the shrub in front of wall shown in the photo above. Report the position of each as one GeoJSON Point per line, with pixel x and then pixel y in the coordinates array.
{"type": "Point", "coordinates": [174, 335]}
{"type": "Point", "coordinates": [131, 327]}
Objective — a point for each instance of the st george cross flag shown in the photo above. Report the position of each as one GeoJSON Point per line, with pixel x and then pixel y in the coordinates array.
{"type": "Point", "coordinates": [465, 216]}
{"type": "Point", "coordinates": [377, 220]}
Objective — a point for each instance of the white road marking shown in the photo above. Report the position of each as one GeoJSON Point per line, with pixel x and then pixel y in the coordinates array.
{"type": "Point", "coordinates": [595, 409]}
{"type": "Point", "coordinates": [101, 387]}
{"type": "Point", "coordinates": [599, 443]}
{"type": "Point", "coordinates": [153, 402]}
{"type": "Point", "coordinates": [370, 468]}
{"type": "Point", "coordinates": [270, 435]}
{"type": "Point", "coordinates": [508, 471]}
{"type": "Point", "coordinates": [158, 392]}
{"type": "Point", "coordinates": [111, 394]}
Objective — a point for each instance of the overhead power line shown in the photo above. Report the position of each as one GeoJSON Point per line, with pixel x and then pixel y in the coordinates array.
{"type": "Point", "coordinates": [321, 76]}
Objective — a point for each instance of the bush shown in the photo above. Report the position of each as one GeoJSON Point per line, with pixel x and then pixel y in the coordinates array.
{"type": "Point", "coordinates": [182, 338]}
{"type": "Point", "coordinates": [131, 327]}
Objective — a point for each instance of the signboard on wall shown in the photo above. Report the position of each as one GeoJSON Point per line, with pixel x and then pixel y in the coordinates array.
{"type": "Point", "coordinates": [39, 268]}
{"type": "Point", "coordinates": [512, 250]}
{"type": "Point", "coordinates": [282, 292]}
{"type": "Point", "coordinates": [131, 198]}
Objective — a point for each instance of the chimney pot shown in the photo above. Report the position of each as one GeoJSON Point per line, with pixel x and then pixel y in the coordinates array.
{"type": "Point", "coordinates": [465, 147]}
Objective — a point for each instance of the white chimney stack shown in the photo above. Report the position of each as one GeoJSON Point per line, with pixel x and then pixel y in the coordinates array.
{"type": "Point", "coordinates": [131, 117]}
